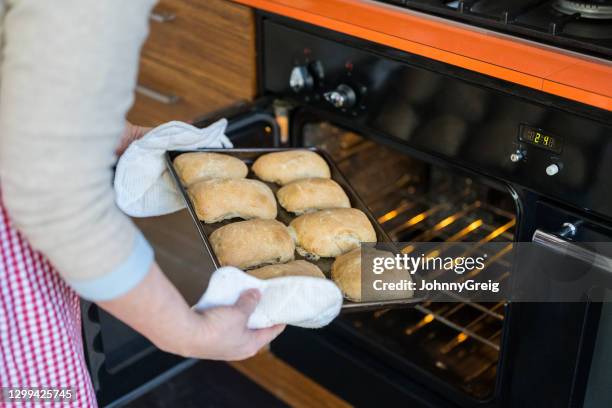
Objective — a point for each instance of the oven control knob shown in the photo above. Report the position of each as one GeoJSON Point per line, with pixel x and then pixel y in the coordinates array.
{"type": "Point", "coordinates": [517, 156]}
{"type": "Point", "coordinates": [301, 79]}
{"type": "Point", "coordinates": [343, 97]}
{"type": "Point", "coordinates": [552, 169]}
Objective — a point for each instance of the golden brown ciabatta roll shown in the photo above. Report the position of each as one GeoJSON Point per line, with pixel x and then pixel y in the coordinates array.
{"type": "Point", "coordinates": [285, 167]}
{"type": "Point", "coordinates": [347, 271]}
{"type": "Point", "coordinates": [215, 200]}
{"type": "Point", "coordinates": [194, 166]}
{"type": "Point", "coordinates": [329, 233]}
{"type": "Point", "coordinates": [294, 268]}
{"type": "Point", "coordinates": [248, 244]}
{"type": "Point", "coordinates": [301, 196]}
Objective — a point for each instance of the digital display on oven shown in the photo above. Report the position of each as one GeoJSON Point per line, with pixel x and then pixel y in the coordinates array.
{"type": "Point", "coordinates": [541, 138]}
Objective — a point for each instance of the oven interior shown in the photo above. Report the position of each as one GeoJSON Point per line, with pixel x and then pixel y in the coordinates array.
{"type": "Point", "coordinates": [459, 343]}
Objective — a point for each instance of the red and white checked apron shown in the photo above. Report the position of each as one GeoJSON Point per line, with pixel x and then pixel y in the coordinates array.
{"type": "Point", "coordinates": [40, 324]}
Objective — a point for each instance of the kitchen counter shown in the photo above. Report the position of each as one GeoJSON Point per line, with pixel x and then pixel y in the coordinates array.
{"type": "Point", "coordinates": [569, 75]}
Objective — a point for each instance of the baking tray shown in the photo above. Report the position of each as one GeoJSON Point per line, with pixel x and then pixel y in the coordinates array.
{"type": "Point", "coordinates": [248, 156]}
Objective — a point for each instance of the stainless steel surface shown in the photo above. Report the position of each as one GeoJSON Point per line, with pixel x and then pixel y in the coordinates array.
{"type": "Point", "coordinates": [342, 97]}
{"type": "Point", "coordinates": [249, 156]}
{"type": "Point", "coordinates": [300, 79]}
{"type": "Point", "coordinates": [162, 17]}
{"type": "Point", "coordinates": [166, 99]}
{"type": "Point", "coordinates": [564, 247]}
{"type": "Point", "coordinates": [517, 156]}
{"type": "Point", "coordinates": [462, 329]}
{"type": "Point", "coordinates": [599, 10]}
{"type": "Point", "coordinates": [552, 169]}
{"type": "Point", "coordinates": [569, 230]}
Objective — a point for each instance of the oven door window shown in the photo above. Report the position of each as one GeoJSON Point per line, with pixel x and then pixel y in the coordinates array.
{"type": "Point", "coordinates": [459, 343]}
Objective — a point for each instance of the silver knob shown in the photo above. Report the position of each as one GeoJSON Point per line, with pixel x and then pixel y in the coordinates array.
{"type": "Point", "coordinates": [552, 169]}
{"type": "Point", "coordinates": [568, 230]}
{"type": "Point", "coordinates": [517, 156]}
{"type": "Point", "coordinates": [300, 79]}
{"type": "Point", "coordinates": [342, 97]}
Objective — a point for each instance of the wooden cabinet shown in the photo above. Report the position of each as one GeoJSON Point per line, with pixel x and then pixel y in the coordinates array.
{"type": "Point", "coordinates": [199, 57]}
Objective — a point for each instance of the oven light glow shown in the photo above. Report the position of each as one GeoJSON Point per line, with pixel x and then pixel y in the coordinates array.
{"type": "Point", "coordinates": [388, 216]}
{"type": "Point", "coordinates": [423, 322]}
{"type": "Point", "coordinates": [415, 220]}
{"type": "Point", "coordinates": [465, 231]}
{"type": "Point", "coordinates": [497, 232]}
{"type": "Point", "coordinates": [445, 223]}
{"type": "Point", "coordinates": [408, 249]}
{"type": "Point", "coordinates": [379, 313]}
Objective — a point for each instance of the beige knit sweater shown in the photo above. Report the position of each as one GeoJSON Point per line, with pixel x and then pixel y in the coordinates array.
{"type": "Point", "coordinates": [67, 77]}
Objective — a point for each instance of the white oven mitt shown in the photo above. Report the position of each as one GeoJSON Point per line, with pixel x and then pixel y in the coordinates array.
{"type": "Point", "coordinates": [143, 185]}
{"type": "Point", "coordinates": [302, 301]}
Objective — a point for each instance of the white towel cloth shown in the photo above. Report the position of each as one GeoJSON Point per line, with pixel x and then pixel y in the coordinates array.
{"type": "Point", "coordinates": [302, 301]}
{"type": "Point", "coordinates": [144, 188]}
{"type": "Point", "coordinates": [143, 185]}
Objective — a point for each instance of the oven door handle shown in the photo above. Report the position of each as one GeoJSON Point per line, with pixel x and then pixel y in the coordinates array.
{"type": "Point", "coordinates": [562, 246]}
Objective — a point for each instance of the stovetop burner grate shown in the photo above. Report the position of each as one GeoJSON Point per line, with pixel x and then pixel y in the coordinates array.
{"type": "Point", "coordinates": [583, 26]}
{"type": "Point", "coordinates": [598, 10]}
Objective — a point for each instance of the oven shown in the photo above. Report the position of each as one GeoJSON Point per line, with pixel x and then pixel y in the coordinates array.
{"type": "Point", "coordinates": [439, 154]}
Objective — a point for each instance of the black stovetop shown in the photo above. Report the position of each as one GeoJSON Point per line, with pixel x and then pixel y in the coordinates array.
{"type": "Point", "coordinates": [584, 26]}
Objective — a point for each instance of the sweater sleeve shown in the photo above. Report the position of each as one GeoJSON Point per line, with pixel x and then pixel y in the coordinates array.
{"type": "Point", "coordinates": [67, 78]}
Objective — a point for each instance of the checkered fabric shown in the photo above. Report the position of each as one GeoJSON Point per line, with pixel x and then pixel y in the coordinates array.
{"type": "Point", "coordinates": [40, 325]}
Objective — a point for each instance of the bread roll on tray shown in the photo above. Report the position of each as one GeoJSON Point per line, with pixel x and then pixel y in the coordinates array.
{"type": "Point", "coordinates": [287, 166]}
{"type": "Point", "coordinates": [294, 268]}
{"type": "Point", "coordinates": [248, 244]}
{"type": "Point", "coordinates": [346, 272]}
{"type": "Point", "coordinates": [310, 194]}
{"type": "Point", "coordinates": [215, 200]}
{"type": "Point", "coordinates": [329, 233]}
{"type": "Point", "coordinates": [194, 166]}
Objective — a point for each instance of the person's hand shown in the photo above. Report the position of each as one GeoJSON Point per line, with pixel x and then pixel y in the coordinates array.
{"type": "Point", "coordinates": [157, 310]}
{"type": "Point", "coordinates": [131, 133]}
{"type": "Point", "coordinates": [221, 333]}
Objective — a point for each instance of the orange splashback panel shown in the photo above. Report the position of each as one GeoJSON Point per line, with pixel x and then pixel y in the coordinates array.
{"type": "Point", "coordinates": [572, 76]}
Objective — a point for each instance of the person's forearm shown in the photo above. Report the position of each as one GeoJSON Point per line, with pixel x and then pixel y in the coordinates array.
{"type": "Point", "coordinates": [167, 313]}
{"type": "Point", "coordinates": [157, 310]}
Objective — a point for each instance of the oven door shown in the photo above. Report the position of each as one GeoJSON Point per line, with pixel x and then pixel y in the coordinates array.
{"type": "Point", "coordinates": [122, 363]}
{"type": "Point", "coordinates": [561, 350]}
{"type": "Point", "coordinates": [433, 354]}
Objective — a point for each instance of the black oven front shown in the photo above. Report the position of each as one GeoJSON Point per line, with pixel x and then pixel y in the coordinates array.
{"type": "Point", "coordinates": [439, 154]}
